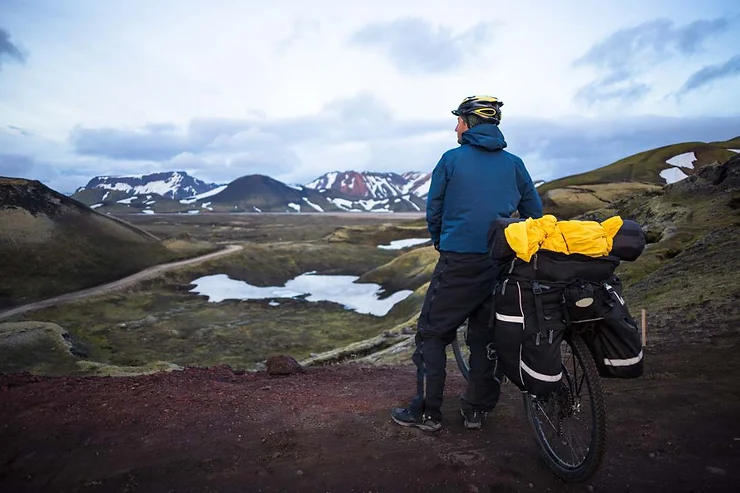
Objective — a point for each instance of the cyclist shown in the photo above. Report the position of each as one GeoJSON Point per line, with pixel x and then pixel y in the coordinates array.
{"type": "Point", "coordinates": [470, 186]}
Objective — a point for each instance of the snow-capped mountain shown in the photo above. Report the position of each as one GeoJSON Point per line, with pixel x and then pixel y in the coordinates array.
{"type": "Point", "coordinates": [171, 184]}
{"type": "Point", "coordinates": [417, 183]}
{"type": "Point", "coordinates": [259, 193]}
{"type": "Point", "coordinates": [366, 185]}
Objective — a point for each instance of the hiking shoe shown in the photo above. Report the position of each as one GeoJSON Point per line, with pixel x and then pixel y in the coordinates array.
{"type": "Point", "coordinates": [404, 417]}
{"type": "Point", "coordinates": [473, 419]}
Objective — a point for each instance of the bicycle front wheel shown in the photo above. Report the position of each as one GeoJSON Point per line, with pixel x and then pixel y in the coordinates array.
{"type": "Point", "coordinates": [570, 423]}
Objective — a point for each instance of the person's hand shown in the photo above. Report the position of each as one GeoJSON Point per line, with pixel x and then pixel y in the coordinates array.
{"type": "Point", "coordinates": [436, 246]}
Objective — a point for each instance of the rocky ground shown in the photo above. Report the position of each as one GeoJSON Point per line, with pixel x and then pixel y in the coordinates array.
{"type": "Point", "coordinates": [328, 429]}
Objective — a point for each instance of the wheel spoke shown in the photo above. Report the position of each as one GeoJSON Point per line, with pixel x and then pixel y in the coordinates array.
{"type": "Point", "coordinates": [547, 417]}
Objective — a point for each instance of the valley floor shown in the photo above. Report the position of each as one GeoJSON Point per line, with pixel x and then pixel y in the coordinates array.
{"type": "Point", "coordinates": [675, 429]}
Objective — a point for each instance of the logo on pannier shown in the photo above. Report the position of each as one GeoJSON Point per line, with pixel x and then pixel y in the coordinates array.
{"type": "Point", "coordinates": [584, 302]}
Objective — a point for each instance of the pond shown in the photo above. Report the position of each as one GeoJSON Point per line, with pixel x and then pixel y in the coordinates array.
{"type": "Point", "coordinates": [360, 297]}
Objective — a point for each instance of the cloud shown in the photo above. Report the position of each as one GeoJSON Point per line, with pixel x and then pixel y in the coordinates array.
{"type": "Point", "coordinates": [9, 49]}
{"type": "Point", "coordinates": [358, 133]}
{"type": "Point", "coordinates": [625, 54]}
{"type": "Point", "coordinates": [302, 30]}
{"type": "Point", "coordinates": [415, 46]}
{"type": "Point", "coordinates": [153, 142]}
{"type": "Point", "coordinates": [359, 118]}
{"type": "Point", "coordinates": [615, 86]}
{"type": "Point", "coordinates": [711, 73]}
{"type": "Point", "coordinates": [15, 165]}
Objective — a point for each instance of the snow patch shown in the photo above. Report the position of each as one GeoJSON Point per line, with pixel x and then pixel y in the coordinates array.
{"type": "Point", "coordinates": [423, 188]}
{"type": "Point", "coordinates": [295, 207]}
{"type": "Point", "coordinates": [210, 193]}
{"type": "Point", "coordinates": [341, 203]}
{"type": "Point", "coordinates": [399, 244]}
{"type": "Point", "coordinates": [95, 206]}
{"type": "Point", "coordinates": [148, 211]}
{"type": "Point", "coordinates": [105, 196]}
{"type": "Point", "coordinates": [196, 211]}
{"type": "Point", "coordinates": [734, 150]}
{"type": "Point", "coordinates": [685, 160]}
{"type": "Point", "coordinates": [360, 297]}
{"type": "Point", "coordinates": [313, 205]}
{"type": "Point", "coordinates": [672, 175]}
{"type": "Point", "coordinates": [128, 200]}
{"type": "Point", "coordinates": [150, 202]}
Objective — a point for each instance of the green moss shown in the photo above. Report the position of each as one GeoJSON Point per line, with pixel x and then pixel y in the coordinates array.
{"type": "Point", "coordinates": [408, 271]}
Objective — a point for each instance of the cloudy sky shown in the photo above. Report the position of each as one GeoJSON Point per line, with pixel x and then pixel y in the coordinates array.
{"type": "Point", "coordinates": [293, 89]}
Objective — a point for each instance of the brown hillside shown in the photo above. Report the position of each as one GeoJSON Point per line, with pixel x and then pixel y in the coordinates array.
{"type": "Point", "coordinates": [50, 244]}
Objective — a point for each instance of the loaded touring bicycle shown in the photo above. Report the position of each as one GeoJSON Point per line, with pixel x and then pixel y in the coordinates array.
{"type": "Point", "coordinates": [560, 324]}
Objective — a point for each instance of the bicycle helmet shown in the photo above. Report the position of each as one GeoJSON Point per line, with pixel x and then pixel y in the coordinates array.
{"type": "Point", "coordinates": [486, 108]}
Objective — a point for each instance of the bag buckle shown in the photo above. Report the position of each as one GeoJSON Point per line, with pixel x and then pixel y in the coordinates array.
{"type": "Point", "coordinates": [536, 288]}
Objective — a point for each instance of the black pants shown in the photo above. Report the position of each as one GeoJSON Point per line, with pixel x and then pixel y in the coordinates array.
{"type": "Point", "coordinates": [461, 288]}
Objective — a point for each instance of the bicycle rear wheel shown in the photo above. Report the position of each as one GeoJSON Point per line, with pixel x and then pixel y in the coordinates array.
{"type": "Point", "coordinates": [461, 350]}
{"type": "Point", "coordinates": [570, 423]}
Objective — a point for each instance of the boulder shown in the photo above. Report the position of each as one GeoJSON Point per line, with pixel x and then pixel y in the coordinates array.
{"type": "Point", "coordinates": [283, 365]}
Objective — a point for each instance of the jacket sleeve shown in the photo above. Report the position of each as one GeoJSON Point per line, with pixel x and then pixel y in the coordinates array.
{"type": "Point", "coordinates": [530, 204]}
{"type": "Point", "coordinates": [435, 200]}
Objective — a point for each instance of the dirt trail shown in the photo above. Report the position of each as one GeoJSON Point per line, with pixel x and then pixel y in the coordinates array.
{"type": "Point", "coordinates": [328, 430]}
{"type": "Point", "coordinates": [145, 274]}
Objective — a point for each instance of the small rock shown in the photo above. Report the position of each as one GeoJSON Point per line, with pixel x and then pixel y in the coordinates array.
{"type": "Point", "coordinates": [407, 330]}
{"type": "Point", "coordinates": [283, 365]}
{"type": "Point", "coordinates": [266, 387]}
{"type": "Point", "coordinates": [530, 485]}
{"type": "Point", "coordinates": [239, 372]}
{"type": "Point", "coordinates": [716, 470]}
{"type": "Point", "coordinates": [651, 455]}
{"type": "Point", "coordinates": [590, 487]}
{"type": "Point", "coordinates": [299, 472]}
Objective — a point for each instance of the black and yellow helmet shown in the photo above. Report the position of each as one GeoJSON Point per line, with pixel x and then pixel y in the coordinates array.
{"type": "Point", "coordinates": [485, 107]}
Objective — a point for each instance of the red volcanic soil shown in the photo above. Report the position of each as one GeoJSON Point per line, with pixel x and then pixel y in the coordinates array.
{"type": "Point", "coordinates": [203, 430]}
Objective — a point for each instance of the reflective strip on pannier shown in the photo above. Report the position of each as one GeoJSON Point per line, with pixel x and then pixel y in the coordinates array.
{"type": "Point", "coordinates": [541, 376]}
{"type": "Point", "coordinates": [623, 362]}
{"type": "Point", "coordinates": [509, 318]}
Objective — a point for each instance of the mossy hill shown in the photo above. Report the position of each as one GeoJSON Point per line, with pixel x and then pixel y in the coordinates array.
{"type": "Point", "coordinates": [51, 244]}
{"type": "Point", "coordinates": [572, 195]}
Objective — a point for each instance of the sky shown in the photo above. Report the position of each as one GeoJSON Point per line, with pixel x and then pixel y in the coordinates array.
{"type": "Point", "coordinates": [293, 89]}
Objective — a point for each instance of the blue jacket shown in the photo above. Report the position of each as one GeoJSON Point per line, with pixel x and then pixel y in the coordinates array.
{"type": "Point", "coordinates": [474, 184]}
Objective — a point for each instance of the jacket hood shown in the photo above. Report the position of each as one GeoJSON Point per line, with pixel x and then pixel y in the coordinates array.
{"type": "Point", "coordinates": [486, 135]}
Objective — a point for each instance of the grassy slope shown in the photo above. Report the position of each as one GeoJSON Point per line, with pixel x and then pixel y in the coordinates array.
{"type": "Point", "coordinates": [642, 167]}
{"type": "Point", "coordinates": [733, 143]}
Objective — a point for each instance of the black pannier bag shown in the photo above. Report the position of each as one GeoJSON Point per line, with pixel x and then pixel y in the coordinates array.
{"type": "Point", "coordinates": [546, 265]}
{"type": "Point", "coordinates": [629, 242]}
{"type": "Point", "coordinates": [614, 338]}
{"type": "Point", "coordinates": [529, 329]}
